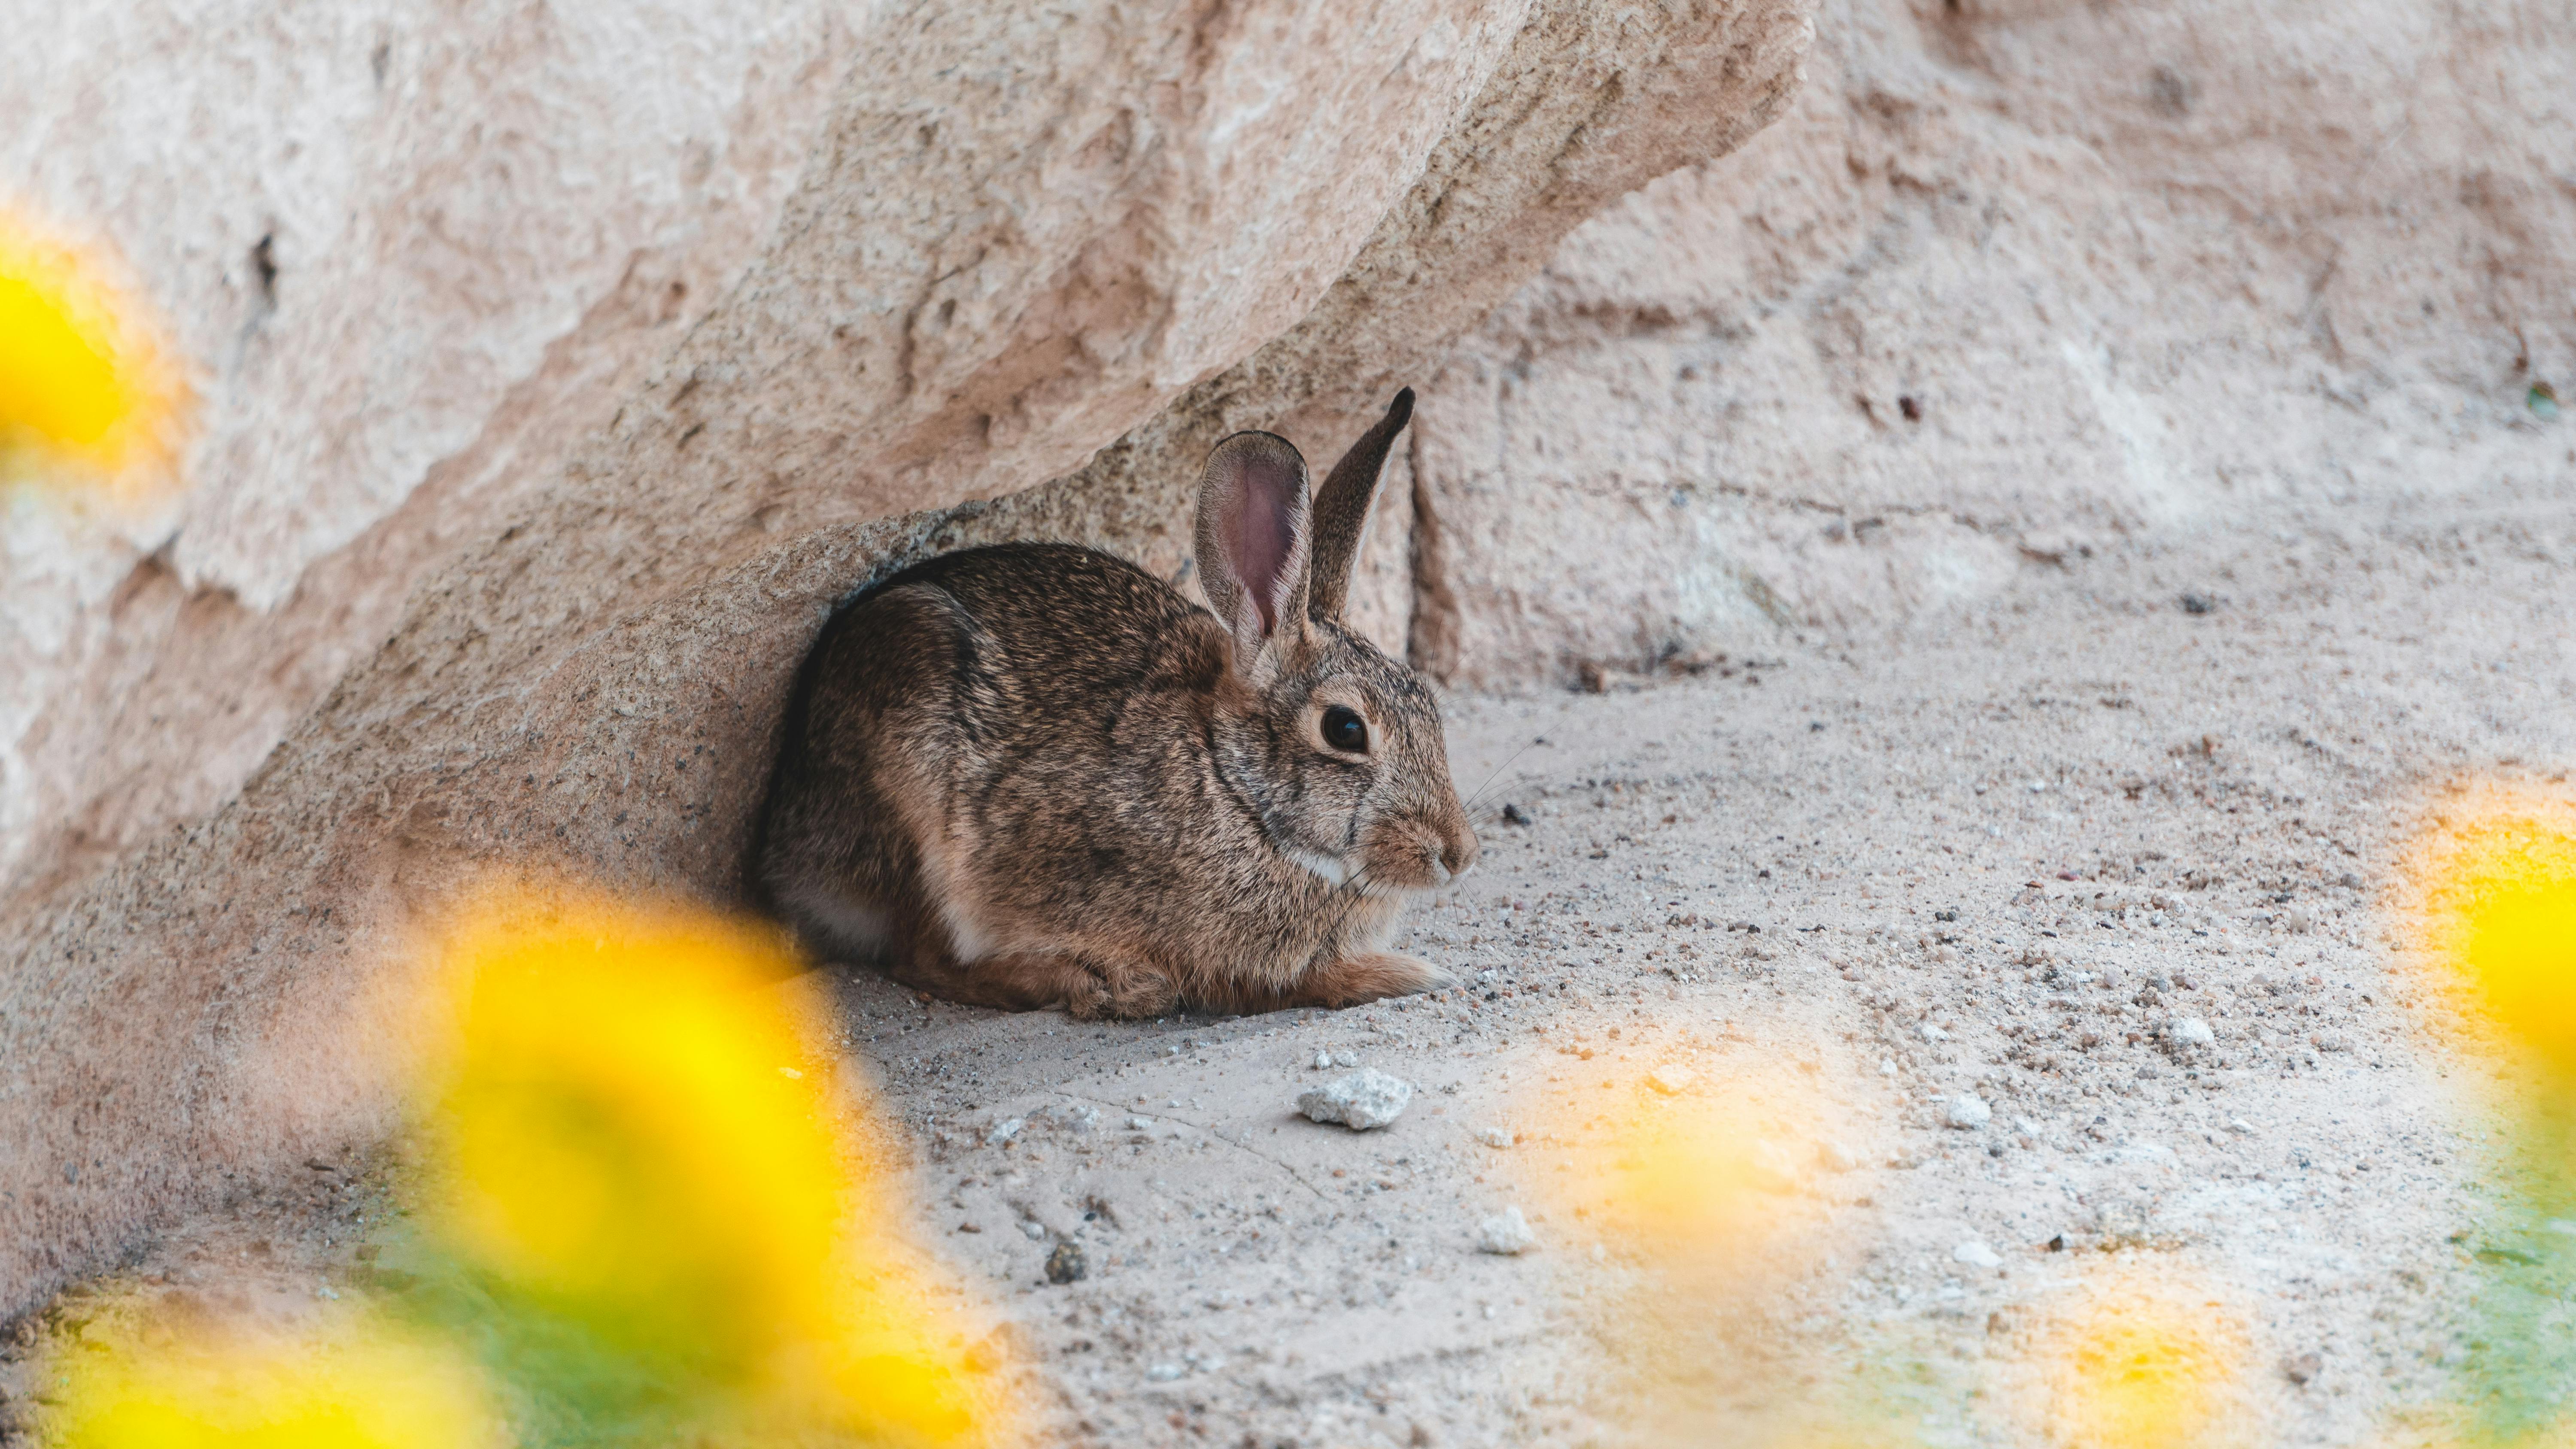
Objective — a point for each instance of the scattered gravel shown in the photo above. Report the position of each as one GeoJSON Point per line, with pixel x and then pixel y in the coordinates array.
{"type": "Point", "coordinates": [1067, 1264]}
{"type": "Point", "coordinates": [1784, 909]}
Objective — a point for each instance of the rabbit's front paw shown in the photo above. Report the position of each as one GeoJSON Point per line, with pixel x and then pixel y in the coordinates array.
{"type": "Point", "coordinates": [1356, 979]}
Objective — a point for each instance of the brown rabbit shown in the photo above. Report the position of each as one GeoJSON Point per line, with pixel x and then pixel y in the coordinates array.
{"type": "Point", "coordinates": [1031, 774]}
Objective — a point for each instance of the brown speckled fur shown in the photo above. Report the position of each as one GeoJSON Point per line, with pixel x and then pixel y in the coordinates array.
{"type": "Point", "coordinates": [1034, 775]}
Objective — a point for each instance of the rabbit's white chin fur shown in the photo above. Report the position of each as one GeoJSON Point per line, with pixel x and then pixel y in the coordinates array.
{"type": "Point", "coordinates": [1336, 870]}
{"type": "Point", "coordinates": [1332, 868]}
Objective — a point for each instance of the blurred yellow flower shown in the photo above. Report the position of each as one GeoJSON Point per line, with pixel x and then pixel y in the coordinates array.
{"type": "Point", "coordinates": [84, 383]}
{"type": "Point", "coordinates": [2500, 891]}
{"type": "Point", "coordinates": [365, 1386]}
{"type": "Point", "coordinates": [1694, 1175]}
{"type": "Point", "coordinates": [2143, 1372]}
{"type": "Point", "coordinates": [622, 1149]}
{"type": "Point", "coordinates": [1698, 1185]}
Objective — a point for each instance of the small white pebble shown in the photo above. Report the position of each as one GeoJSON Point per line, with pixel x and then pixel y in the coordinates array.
{"type": "Point", "coordinates": [1506, 1232]}
{"type": "Point", "coordinates": [791, 1074]}
{"type": "Point", "coordinates": [1976, 1254]}
{"type": "Point", "coordinates": [1495, 1137]}
{"type": "Point", "coordinates": [1363, 1100]}
{"type": "Point", "coordinates": [2190, 1031]}
{"type": "Point", "coordinates": [1323, 1061]}
{"type": "Point", "coordinates": [1968, 1110]}
{"type": "Point", "coordinates": [1003, 1132]}
{"type": "Point", "coordinates": [1671, 1081]}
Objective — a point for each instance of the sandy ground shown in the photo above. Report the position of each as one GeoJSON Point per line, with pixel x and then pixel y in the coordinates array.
{"type": "Point", "coordinates": [2004, 852]}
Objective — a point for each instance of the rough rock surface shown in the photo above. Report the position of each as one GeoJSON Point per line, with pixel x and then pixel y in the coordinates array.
{"type": "Point", "coordinates": [412, 259]}
{"type": "Point", "coordinates": [1017, 234]}
{"type": "Point", "coordinates": [2009, 283]}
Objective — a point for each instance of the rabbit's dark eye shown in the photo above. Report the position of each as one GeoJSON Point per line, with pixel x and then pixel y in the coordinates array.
{"type": "Point", "coordinates": [1344, 730]}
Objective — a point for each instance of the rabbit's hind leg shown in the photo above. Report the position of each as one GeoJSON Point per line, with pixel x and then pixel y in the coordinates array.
{"type": "Point", "coordinates": [1089, 987]}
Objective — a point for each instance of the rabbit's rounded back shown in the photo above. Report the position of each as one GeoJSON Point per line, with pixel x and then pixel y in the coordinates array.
{"type": "Point", "coordinates": [1031, 773]}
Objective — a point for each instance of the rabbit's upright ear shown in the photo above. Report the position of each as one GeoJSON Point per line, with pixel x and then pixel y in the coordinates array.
{"type": "Point", "coordinates": [1343, 506]}
{"type": "Point", "coordinates": [1252, 541]}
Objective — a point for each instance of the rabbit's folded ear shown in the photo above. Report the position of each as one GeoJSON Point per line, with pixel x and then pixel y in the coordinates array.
{"type": "Point", "coordinates": [1343, 507]}
{"type": "Point", "coordinates": [1252, 539]}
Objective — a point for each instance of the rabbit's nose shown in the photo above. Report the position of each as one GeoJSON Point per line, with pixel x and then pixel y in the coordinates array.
{"type": "Point", "coordinates": [1458, 850]}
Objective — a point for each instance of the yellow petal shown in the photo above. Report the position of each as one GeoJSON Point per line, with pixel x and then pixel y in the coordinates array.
{"type": "Point", "coordinates": [86, 386]}
{"type": "Point", "coordinates": [366, 1387]}
{"type": "Point", "coordinates": [621, 1144]}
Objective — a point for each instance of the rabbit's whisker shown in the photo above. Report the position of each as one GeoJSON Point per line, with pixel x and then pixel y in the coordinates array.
{"type": "Point", "coordinates": [1478, 796]}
